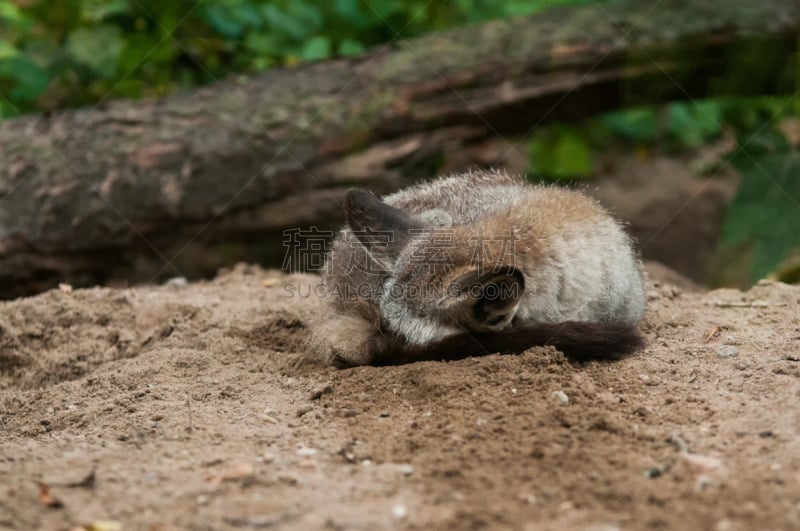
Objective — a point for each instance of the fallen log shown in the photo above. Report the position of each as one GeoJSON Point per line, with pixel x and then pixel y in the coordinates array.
{"type": "Point", "coordinates": [143, 190]}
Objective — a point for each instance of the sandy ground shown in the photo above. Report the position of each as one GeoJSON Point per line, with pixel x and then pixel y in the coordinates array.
{"type": "Point", "coordinates": [181, 407]}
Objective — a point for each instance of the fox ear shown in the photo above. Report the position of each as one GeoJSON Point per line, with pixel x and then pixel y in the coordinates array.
{"type": "Point", "coordinates": [493, 295]}
{"type": "Point", "coordinates": [374, 222]}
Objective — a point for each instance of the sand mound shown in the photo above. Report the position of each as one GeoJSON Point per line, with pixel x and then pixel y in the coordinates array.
{"type": "Point", "coordinates": [187, 405]}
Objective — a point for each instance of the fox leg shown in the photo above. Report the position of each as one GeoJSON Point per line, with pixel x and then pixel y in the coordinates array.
{"type": "Point", "coordinates": [343, 340]}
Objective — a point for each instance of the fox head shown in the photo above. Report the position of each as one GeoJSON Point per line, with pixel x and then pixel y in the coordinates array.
{"type": "Point", "coordinates": [438, 280]}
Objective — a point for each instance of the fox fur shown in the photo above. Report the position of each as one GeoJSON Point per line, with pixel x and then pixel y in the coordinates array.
{"type": "Point", "coordinates": [474, 264]}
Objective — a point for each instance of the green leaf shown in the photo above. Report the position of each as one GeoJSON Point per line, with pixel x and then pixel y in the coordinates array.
{"type": "Point", "coordinates": [7, 110]}
{"type": "Point", "coordinates": [98, 48]}
{"type": "Point", "coordinates": [262, 43]}
{"type": "Point", "coordinates": [385, 9]}
{"type": "Point", "coordinates": [561, 152]}
{"type": "Point", "coordinates": [98, 10]}
{"type": "Point", "coordinates": [28, 80]}
{"type": "Point", "coordinates": [521, 8]}
{"type": "Point", "coordinates": [318, 47]}
{"type": "Point", "coordinates": [307, 14]}
{"type": "Point", "coordinates": [281, 23]}
{"type": "Point", "coordinates": [350, 47]}
{"type": "Point", "coordinates": [7, 50]}
{"type": "Point", "coordinates": [695, 123]}
{"type": "Point", "coordinates": [351, 11]}
{"type": "Point", "coordinates": [15, 24]}
{"type": "Point", "coordinates": [10, 12]}
{"type": "Point", "coordinates": [763, 140]}
{"type": "Point", "coordinates": [232, 18]}
{"type": "Point", "coordinates": [766, 210]}
{"type": "Point", "coordinates": [635, 124]}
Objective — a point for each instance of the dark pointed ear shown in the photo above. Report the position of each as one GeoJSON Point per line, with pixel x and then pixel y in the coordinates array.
{"type": "Point", "coordinates": [492, 294]}
{"type": "Point", "coordinates": [373, 221]}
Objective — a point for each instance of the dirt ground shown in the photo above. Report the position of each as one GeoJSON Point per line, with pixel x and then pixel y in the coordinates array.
{"type": "Point", "coordinates": [183, 407]}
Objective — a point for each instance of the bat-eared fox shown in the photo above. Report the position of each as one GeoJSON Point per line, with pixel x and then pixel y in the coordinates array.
{"type": "Point", "coordinates": [474, 264]}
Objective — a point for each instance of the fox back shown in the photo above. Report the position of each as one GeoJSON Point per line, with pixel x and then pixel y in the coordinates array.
{"type": "Point", "coordinates": [474, 262]}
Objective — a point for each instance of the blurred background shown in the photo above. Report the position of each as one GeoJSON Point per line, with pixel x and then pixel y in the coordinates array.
{"type": "Point", "coordinates": [709, 185]}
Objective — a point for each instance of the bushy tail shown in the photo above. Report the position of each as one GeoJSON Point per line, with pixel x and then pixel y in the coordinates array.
{"type": "Point", "coordinates": [578, 340]}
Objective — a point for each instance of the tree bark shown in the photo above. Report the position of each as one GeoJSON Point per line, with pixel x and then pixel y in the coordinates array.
{"type": "Point", "coordinates": [143, 190]}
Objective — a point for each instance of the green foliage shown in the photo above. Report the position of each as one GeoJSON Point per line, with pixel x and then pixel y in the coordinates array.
{"type": "Point", "coordinates": [21, 78]}
{"type": "Point", "coordinates": [634, 125]}
{"type": "Point", "coordinates": [765, 214]}
{"type": "Point", "coordinates": [481, 10]}
{"type": "Point", "coordinates": [97, 48]}
{"type": "Point", "coordinates": [690, 124]}
{"type": "Point", "coordinates": [561, 152]}
{"type": "Point", "coordinates": [681, 124]}
{"type": "Point", "coordinates": [78, 52]}
{"type": "Point", "coordinates": [566, 152]}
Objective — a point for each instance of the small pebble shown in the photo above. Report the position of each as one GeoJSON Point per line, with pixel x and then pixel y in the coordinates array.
{"type": "Point", "coordinates": [307, 452]}
{"type": "Point", "coordinates": [348, 456]}
{"type": "Point", "coordinates": [561, 397]}
{"type": "Point", "coordinates": [319, 392]}
{"type": "Point", "coordinates": [648, 380]}
{"type": "Point", "coordinates": [724, 525]}
{"type": "Point", "coordinates": [526, 497]}
{"type": "Point", "coordinates": [654, 472]}
{"type": "Point", "coordinates": [399, 511]}
{"type": "Point", "coordinates": [177, 282]}
{"type": "Point", "coordinates": [727, 351]}
{"type": "Point", "coordinates": [603, 527]}
{"type": "Point", "coordinates": [730, 339]}
{"type": "Point", "coordinates": [306, 463]}
{"type": "Point", "coordinates": [302, 410]}
{"type": "Point", "coordinates": [672, 291]}
{"type": "Point", "coordinates": [679, 442]}
{"type": "Point", "coordinates": [698, 464]}
{"type": "Point", "coordinates": [702, 482]}
{"type": "Point", "coordinates": [269, 418]}
{"type": "Point", "coordinates": [289, 480]}
{"type": "Point", "coordinates": [405, 469]}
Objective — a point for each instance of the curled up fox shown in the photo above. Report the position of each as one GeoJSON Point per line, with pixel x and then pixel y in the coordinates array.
{"type": "Point", "coordinates": [475, 264]}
